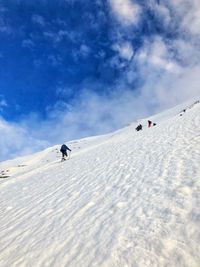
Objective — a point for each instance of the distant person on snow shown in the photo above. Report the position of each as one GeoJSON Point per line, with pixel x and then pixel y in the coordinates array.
{"type": "Point", "coordinates": [139, 127]}
{"type": "Point", "coordinates": [63, 150]}
{"type": "Point", "coordinates": [149, 123]}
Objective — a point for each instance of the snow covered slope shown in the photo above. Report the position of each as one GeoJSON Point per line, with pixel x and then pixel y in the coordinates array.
{"type": "Point", "coordinates": [123, 199]}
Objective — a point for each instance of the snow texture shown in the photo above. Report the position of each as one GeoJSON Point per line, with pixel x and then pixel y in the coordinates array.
{"type": "Point", "coordinates": [126, 199]}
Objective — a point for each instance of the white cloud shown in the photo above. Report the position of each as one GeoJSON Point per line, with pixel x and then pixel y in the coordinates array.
{"type": "Point", "coordinates": [192, 19]}
{"type": "Point", "coordinates": [126, 11]}
{"type": "Point", "coordinates": [124, 49]}
{"type": "Point", "coordinates": [156, 53]}
{"type": "Point", "coordinates": [163, 13]}
{"type": "Point", "coordinates": [169, 72]}
{"type": "Point", "coordinates": [17, 141]}
{"type": "Point", "coordinates": [92, 114]}
{"type": "Point", "coordinates": [185, 14]}
{"type": "Point", "coordinates": [58, 36]}
{"type": "Point", "coordinates": [165, 81]}
{"type": "Point", "coordinates": [167, 91]}
{"type": "Point", "coordinates": [83, 52]}
{"type": "Point", "coordinates": [3, 103]}
{"type": "Point", "coordinates": [181, 15]}
{"type": "Point", "coordinates": [89, 114]}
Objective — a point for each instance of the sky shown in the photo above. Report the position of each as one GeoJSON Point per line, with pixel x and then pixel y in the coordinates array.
{"type": "Point", "coordinates": [76, 68]}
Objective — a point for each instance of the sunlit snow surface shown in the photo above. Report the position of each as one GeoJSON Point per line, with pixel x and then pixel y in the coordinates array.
{"type": "Point", "coordinates": [126, 199]}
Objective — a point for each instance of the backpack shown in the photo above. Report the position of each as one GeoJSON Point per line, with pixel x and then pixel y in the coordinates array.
{"type": "Point", "coordinates": [63, 148]}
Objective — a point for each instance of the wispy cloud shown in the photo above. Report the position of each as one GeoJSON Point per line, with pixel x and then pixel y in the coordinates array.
{"type": "Point", "coordinates": [84, 50]}
{"type": "Point", "coordinates": [192, 19]}
{"type": "Point", "coordinates": [4, 26]}
{"type": "Point", "coordinates": [89, 114]}
{"type": "Point", "coordinates": [28, 43]}
{"type": "Point", "coordinates": [38, 19]}
{"type": "Point", "coordinates": [3, 103]}
{"type": "Point", "coordinates": [155, 53]}
{"type": "Point", "coordinates": [124, 49]}
{"type": "Point", "coordinates": [54, 60]}
{"type": "Point", "coordinates": [17, 141]}
{"type": "Point", "coordinates": [156, 71]}
{"type": "Point", "coordinates": [169, 70]}
{"type": "Point", "coordinates": [184, 15]}
{"type": "Point", "coordinates": [126, 11]}
{"type": "Point", "coordinates": [59, 35]}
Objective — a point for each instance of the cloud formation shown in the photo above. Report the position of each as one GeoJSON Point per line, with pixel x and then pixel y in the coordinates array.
{"type": "Point", "coordinates": [3, 103]}
{"type": "Point", "coordinates": [124, 49]}
{"type": "Point", "coordinates": [189, 14]}
{"type": "Point", "coordinates": [38, 19]}
{"type": "Point", "coordinates": [17, 141]}
{"type": "Point", "coordinates": [152, 54]}
{"type": "Point", "coordinates": [126, 11]}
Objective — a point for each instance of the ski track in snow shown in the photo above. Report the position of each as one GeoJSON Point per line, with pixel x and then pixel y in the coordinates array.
{"type": "Point", "coordinates": [127, 199]}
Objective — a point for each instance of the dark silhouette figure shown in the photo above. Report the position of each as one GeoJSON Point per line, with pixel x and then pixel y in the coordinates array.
{"type": "Point", "coordinates": [139, 127]}
{"type": "Point", "coordinates": [149, 124]}
{"type": "Point", "coordinates": [63, 150]}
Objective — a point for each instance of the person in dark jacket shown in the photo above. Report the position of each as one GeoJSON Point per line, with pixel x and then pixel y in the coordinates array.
{"type": "Point", "coordinates": [63, 150]}
{"type": "Point", "coordinates": [139, 127]}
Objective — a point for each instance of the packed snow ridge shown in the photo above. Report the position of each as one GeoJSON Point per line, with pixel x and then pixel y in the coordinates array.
{"type": "Point", "coordinates": [126, 199]}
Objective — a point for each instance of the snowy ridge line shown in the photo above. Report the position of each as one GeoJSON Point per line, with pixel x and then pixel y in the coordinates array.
{"type": "Point", "coordinates": [174, 112]}
{"type": "Point", "coordinates": [20, 169]}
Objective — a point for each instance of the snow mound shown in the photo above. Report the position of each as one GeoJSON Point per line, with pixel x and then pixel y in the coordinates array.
{"type": "Point", "coordinates": [123, 199]}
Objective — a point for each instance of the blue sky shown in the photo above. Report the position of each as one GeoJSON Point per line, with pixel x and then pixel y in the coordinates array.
{"type": "Point", "coordinates": [74, 68]}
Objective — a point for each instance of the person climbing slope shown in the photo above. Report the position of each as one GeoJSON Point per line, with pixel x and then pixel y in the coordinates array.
{"type": "Point", "coordinates": [149, 124]}
{"type": "Point", "coordinates": [63, 150]}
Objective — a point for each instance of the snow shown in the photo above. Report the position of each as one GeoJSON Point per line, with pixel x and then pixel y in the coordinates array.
{"type": "Point", "coordinates": [126, 199]}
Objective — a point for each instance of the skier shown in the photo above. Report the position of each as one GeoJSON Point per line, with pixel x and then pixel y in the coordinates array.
{"type": "Point", "coordinates": [63, 150]}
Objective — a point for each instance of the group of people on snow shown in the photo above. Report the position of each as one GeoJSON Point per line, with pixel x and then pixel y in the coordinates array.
{"type": "Point", "coordinates": [150, 124]}
{"type": "Point", "coordinates": [64, 148]}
